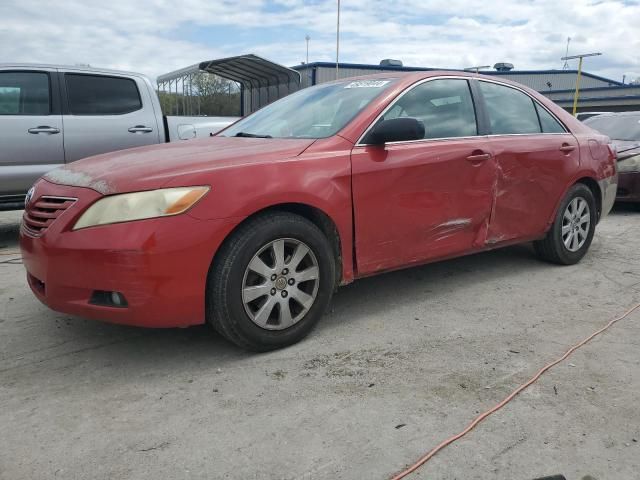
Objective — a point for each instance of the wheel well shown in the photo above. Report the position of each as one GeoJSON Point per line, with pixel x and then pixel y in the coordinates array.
{"type": "Point", "coordinates": [595, 189]}
{"type": "Point", "coordinates": [315, 216]}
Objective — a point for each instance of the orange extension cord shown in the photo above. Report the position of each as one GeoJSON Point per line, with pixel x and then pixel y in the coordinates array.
{"type": "Point", "coordinates": [427, 456]}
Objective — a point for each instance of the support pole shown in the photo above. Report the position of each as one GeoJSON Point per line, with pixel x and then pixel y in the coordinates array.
{"type": "Point", "coordinates": [338, 40]}
{"type": "Point", "coordinates": [577, 92]}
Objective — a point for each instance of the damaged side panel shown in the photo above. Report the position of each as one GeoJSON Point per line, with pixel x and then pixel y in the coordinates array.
{"type": "Point", "coordinates": [531, 176]}
{"type": "Point", "coordinates": [418, 201]}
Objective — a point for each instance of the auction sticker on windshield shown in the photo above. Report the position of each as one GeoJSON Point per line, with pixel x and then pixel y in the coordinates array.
{"type": "Point", "coordinates": [367, 84]}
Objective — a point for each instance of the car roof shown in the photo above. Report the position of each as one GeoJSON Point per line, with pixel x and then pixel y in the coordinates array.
{"type": "Point", "coordinates": [412, 77]}
{"type": "Point", "coordinates": [75, 68]}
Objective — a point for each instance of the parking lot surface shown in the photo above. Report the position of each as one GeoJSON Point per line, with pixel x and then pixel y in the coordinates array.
{"type": "Point", "coordinates": [401, 362]}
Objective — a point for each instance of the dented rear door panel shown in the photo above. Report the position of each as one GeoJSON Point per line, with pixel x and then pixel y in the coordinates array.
{"type": "Point", "coordinates": [532, 176]}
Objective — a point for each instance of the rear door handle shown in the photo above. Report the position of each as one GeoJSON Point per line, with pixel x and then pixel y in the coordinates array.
{"type": "Point", "coordinates": [479, 156]}
{"type": "Point", "coordinates": [566, 148]}
{"type": "Point", "coordinates": [44, 129]}
{"type": "Point", "coordinates": [140, 129]}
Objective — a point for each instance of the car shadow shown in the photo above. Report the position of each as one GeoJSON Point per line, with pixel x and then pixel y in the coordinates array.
{"type": "Point", "coordinates": [188, 348]}
{"type": "Point", "coordinates": [354, 303]}
{"type": "Point", "coordinates": [9, 229]}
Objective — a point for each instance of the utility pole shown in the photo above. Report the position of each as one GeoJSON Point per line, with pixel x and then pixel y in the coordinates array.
{"type": "Point", "coordinates": [338, 40]}
{"type": "Point", "coordinates": [566, 54]}
{"type": "Point", "coordinates": [577, 92]}
{"type": "Point", "coordinates": [307, 38]}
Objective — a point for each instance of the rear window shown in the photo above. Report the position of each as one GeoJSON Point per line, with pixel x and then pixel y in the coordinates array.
{"type": "Point", "coordinates": [510, 111]}
{"type": "Point", "coordinates": [24, 93]}
{"type": "Point", "coordinates": [101, 95]}
{"type": "Point", "coordinates": [548, 122]}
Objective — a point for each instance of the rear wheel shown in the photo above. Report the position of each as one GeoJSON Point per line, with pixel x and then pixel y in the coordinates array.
{"type": "Point", "coordinates": [570, 236]}
{"type": "Point", "coordinates": [271, 282]}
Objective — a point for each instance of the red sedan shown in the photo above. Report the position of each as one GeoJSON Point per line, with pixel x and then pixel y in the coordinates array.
{"type": "Point", "coordinates": [253, 230]}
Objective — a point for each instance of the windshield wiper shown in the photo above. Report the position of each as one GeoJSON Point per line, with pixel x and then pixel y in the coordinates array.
{"type": "Point", "coordinates": [251, 135]}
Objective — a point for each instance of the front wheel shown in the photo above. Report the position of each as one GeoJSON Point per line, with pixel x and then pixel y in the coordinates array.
{"type": "Point", "coordinates": [271, 282]}
{"type": "Point", "coordinates": [570, 236]}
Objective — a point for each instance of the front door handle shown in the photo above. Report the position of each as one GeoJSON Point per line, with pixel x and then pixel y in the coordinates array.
{"type": "Point", "coordinates": [566, 148]}
{"type": "Point", "coordinates": [140, 129]}
{"type": "Point", "coordinates": [44, 129]}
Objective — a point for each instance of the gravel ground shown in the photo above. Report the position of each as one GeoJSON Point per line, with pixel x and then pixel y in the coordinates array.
{"type": "Point", "coordinates": [402, 361]}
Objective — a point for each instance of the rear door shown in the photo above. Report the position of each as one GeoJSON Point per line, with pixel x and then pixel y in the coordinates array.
{"type": "Point", "coordinates": [31, 133]}
{"type": "Point", "coordinates": [424, 199]}
{"type": "Point", "coordinates": [104, 113]}
{"type": "Point", "coordinates": [536, 157]}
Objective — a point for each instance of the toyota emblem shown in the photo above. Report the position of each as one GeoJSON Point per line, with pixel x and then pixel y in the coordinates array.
{"type": "Point", "coordinates": [29, 196]}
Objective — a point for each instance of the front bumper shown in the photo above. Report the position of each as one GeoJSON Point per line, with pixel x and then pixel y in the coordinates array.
{"type": "Point", "coordinates": [159, 265]}
{"type": "Point", "coordinates": [628, 187]}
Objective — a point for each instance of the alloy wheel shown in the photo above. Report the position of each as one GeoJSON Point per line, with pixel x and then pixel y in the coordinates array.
{"type": "Point", "coordinates": [576, 222]}
{"type": "Point", "coordinates": [280, 284]}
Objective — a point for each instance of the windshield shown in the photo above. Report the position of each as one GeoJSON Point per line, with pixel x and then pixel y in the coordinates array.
{"type": "Point", "coordinates": [314, 112]}
{"type": "Point", "coordinates": [620, 127]}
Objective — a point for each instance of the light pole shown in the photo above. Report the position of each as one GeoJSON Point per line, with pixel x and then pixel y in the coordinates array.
{"type": "Point", "coordinates": [307, 38]}
{"type": "Point", "coordinates": [577, 92]}
{"type": "Point", "coordinates": [338, 40]}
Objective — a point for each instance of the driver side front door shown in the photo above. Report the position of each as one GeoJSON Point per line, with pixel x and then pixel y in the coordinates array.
{"type": "Point", "coordinates": [421, 200]}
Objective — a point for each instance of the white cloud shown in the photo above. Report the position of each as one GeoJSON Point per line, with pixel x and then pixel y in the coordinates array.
{"type": "Point", "coordinates": [145, 35]}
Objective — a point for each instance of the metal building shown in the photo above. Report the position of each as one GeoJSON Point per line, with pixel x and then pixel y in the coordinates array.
{"type": "Point", "coordinates": [596, 92]}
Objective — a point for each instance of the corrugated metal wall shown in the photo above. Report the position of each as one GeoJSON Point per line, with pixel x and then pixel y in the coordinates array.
{"type": "Point", "coordinates": [619, 92]}
{"type": "Point", "coordinates": [538, 81]}
{"type": "Point", "coordinates": [559, 81]}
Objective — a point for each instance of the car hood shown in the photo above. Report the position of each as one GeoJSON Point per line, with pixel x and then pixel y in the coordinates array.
{"type": "Point", "coordinates": [625, 148]}
{"type": "Point", "coordinates": [147, 168]}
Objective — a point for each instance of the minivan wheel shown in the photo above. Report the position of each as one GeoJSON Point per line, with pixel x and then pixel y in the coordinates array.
{"type": "Point", "coordinates": [271, 282]}
{"type": "Point", "coordinates": [570, 236]}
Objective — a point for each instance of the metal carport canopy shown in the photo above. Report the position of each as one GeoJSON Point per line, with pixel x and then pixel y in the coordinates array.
{"type": "Point", "coordinates": [252, 71]}
{"type": "Point", "coordinates": [244, 69]}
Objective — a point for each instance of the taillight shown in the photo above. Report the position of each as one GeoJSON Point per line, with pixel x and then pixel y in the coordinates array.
{"type": "Point", "coordinates": [612, 148]}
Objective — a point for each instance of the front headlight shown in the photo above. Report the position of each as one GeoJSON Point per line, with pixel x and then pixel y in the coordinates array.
{"type": "Point", "coordinates": [140, 205]}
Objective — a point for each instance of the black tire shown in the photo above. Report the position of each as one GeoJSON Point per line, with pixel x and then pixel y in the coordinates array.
{"type": "Point", "coordinates": [552, 247]}
{"type": "Point", "coordinates": [225, 310]}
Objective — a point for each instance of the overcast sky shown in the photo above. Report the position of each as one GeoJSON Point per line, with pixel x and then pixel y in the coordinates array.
{"type": "Point", "coordinates": [155, 36]}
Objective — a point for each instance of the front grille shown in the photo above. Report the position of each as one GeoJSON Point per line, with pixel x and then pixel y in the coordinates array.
{"type": "Point", "coordinates": [39, 215]}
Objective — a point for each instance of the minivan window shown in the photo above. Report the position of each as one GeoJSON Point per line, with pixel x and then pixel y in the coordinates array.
{"type": "Point", "coordinates": [444, 106]}
{"type": "Point", "coordinates": [24, 93]}
{"type": "Point", "coordinates": [510, 111]}
{"type": "Point", "coordinates": [101, 95]}
{"type": "Point", "coordinates": [548, 123]}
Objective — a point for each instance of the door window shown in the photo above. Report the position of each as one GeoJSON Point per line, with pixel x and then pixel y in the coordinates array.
{"type": "Point", "coordinates": [101, 95]}
{"type": "Point", "coordinates": [445, 107]}
{"type": "Point", "coordinates": [510, 111]}
{"type": "Point", "coordinates": [24, 93]}
{"type": "Point", "coordinates": [548, 123]}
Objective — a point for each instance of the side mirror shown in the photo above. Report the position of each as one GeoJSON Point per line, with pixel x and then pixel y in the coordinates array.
{"type": "Point", "coordinates": [399, 129]}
